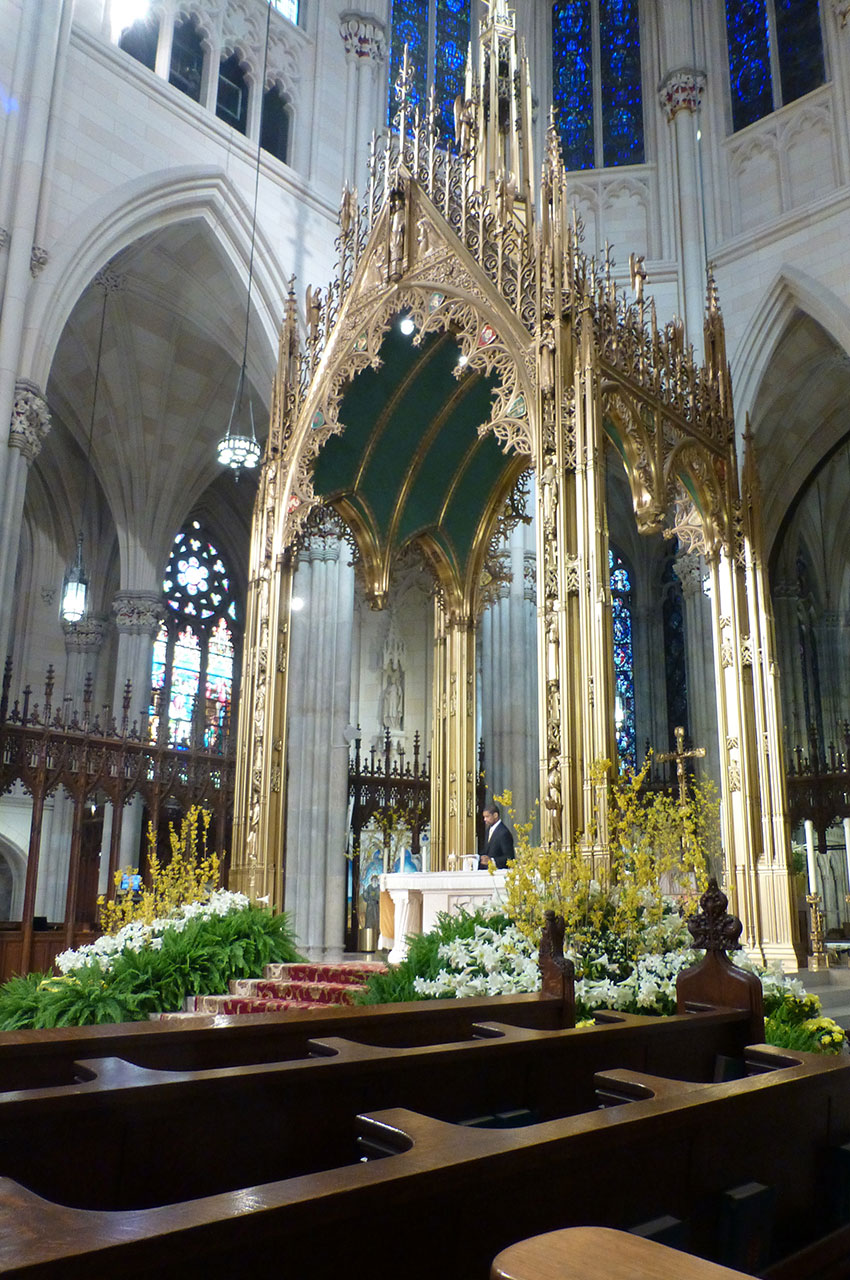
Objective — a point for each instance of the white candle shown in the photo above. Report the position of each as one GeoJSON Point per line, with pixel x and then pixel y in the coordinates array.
{"type": "Point", "coordinates": [810, 855]}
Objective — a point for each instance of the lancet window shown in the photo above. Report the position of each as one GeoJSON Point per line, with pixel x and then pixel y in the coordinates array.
{"type": "Point", "coordinates": [624, 662]}
{"type": "Point", "coordinates": [596, 82]}
{"type": "Point", "coordinates": [194, 652]}
{"type": "Point", "coordinates": [232, 101]}
{"type": "Point", "coordinates": [274, 126]}
{"type": "Point", "coordinates": [437, 36]}
{"type": "Point", "coordinates": [140, 41]}
{"type": "Point", "coordinates": [775, 55]}
{"type": "Point", "coordinates": [187, 59]}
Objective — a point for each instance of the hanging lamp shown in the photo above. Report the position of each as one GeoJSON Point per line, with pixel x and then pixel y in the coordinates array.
{"type": "Point", "coordinates": [75, 586]}
{"type": "Point", "coordinates": [239, 446]}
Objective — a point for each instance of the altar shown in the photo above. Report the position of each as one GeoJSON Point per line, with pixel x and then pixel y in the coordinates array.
{"type": "Point", "coordinates": [419, 896]}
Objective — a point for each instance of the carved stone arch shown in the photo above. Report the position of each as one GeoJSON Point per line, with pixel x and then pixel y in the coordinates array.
{"type": "Point", "coordinates": [628, 434]}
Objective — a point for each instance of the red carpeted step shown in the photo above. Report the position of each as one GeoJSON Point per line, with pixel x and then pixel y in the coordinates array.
{"type": "Point", "coordinates": [240, 1004]}
{"type": "Point", "coordinates": [356, 972]}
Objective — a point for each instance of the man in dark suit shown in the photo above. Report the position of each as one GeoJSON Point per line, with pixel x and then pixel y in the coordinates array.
{"type": "Point", "coordinates": [499, 843]}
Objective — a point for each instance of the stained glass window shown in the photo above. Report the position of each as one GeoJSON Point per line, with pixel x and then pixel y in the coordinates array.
{"type": "Point", "coordinates": [572, 81]}
{"type": "Point", "coordinates": [622, 104]}
{"type": "Point", "coordinates": [624, 663]}
{"type": "Point", "coordinates": [409, 27]}
{"type": "Point", "coordinates": [450, 49]}
{"type": "Point", "coordinates": [596, 82]}
{"type": "Point", "coordinates": [800, 45]}
{"type": "Point", "coordinates": [195, 648]}
{"type": "Point", "coordinates": [763, 35]}
{"type": "Point", "coordinates": [436, 33]}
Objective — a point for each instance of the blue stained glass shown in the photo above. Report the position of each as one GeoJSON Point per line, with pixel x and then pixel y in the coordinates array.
{"type": "Point", "coordinates": [409, 27]}
{"type": "Point", "coordinates": [452, 42]}
{"type": "Point", "coordinates": [800, 46]}
{"type": "Point", "coordinates": [624, 665]}
{"type": "Point", "coordinates": [749, 61]}
{"type": "Point", "coordinates": [572, 81]}
{"type": "Point", "coordinates": [622, 103]}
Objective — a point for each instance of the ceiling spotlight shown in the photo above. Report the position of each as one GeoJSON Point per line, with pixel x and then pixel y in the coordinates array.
{"type": "Point", "coordinates": [296, 604]}
{"type": "Point", "coordinates": [462, 360]}
{"type": "Point", "coordinates": [407, 326]}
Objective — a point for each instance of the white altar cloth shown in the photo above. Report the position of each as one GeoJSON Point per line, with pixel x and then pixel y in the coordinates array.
{"type": "Point", "coordinates": [419, 895]}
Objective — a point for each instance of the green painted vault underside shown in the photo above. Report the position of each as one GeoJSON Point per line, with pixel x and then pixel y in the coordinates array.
{"type": "Point", "coordinates": [410, 460]}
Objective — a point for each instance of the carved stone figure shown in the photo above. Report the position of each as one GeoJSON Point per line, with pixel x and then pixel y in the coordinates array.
{"type": "Point", "coordinates": [393, 708]}
{"type": "Point", "coordinates": [398, 215]}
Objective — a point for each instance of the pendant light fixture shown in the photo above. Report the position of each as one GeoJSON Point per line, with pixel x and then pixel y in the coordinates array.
{"type": "Point", "coordinates": [239, 446]}
{"type": "Point", "coordinates": [75, 588]}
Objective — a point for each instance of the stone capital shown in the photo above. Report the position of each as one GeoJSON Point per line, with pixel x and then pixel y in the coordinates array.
{"type": "Point", "coordinates": [85, 636]}
{"type": "Point", "coordinates": [320, 547]}
{"type": "Point", "coordinates": [364, 37]}
{"type": "Point", "coordinates": [689, 571]}
{"type": "Point", "coordinates": [138, 613]}
{"type": "Point", "coordinates": [30, 420]}
{"type": "Point", "coordinates": [681, 90]}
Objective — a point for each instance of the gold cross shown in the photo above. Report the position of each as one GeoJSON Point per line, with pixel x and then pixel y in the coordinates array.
{"type": "Point", "coordinates": [680, 755]}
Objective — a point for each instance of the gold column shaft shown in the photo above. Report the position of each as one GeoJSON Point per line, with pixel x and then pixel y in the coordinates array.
{"type": "Point", "coordinates": [453, 750]}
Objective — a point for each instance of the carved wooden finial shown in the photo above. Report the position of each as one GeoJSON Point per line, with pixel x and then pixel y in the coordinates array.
{"type": "Point", "coordinates": [557, 973]}
{"type": "Point", "coordinates": [713, 928]}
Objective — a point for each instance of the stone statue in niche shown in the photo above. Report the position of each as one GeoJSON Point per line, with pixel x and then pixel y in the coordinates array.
{"type": "Point", "coordinates": [393, 699]}
{"type": "Point", "coordinates": [391, 710]}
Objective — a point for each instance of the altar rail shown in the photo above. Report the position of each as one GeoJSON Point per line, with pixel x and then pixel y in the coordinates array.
{"type": "Point", "coordinates": [104, 760]}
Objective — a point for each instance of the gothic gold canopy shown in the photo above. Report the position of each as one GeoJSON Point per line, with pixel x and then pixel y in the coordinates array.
{"type": "Point", "coordinates": [525, 353]}
{"type": "Point", "coordinates": [411, 463]}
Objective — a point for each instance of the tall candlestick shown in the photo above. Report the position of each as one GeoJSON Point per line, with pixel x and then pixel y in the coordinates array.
{"type": "Point", "coordinates": [810, 855]}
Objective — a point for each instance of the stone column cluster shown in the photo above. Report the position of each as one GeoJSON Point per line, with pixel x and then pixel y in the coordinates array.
{"type": "Point", "coordinates": [692, 571]}
{"type": "Point", "coordinates": [24, 193]}
{"type": "Point", "coordinates": [364, 38]}
{"type": "Point", "coordinates": [509, 678]}
{"type": "Point", "coordinates": [319, 699]}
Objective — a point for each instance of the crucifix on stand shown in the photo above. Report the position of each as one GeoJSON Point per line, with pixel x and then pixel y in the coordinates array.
{"type": "Point", "coordinates": [680, 755]}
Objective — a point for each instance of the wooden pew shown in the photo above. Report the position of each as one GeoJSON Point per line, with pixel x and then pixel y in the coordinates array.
{"type": "Point", "coordinates": [295, 1155]}
{"type": "Point", "coordinates": [598, 1253]}
{"type": "Point", "coordinates": [437, 1198]}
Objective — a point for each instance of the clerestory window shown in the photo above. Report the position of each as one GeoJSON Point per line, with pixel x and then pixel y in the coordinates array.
{"type": "Point", "coordinates": [187, 59]}
{"type": "Point", "coordinates": [274, 126]}
{"type": "Point", "coordinates": [232, 100]}
{"type": "Point", "coordinates": [596, 82]}
{"type": "Point", "coordinates": [194, 651]}
{"type": "Point", "coordinates": [775, 55]}
{"type": "Point", "coordinates": [437, 34]}
{"type": "Point", "coordinates": [140, 41]}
